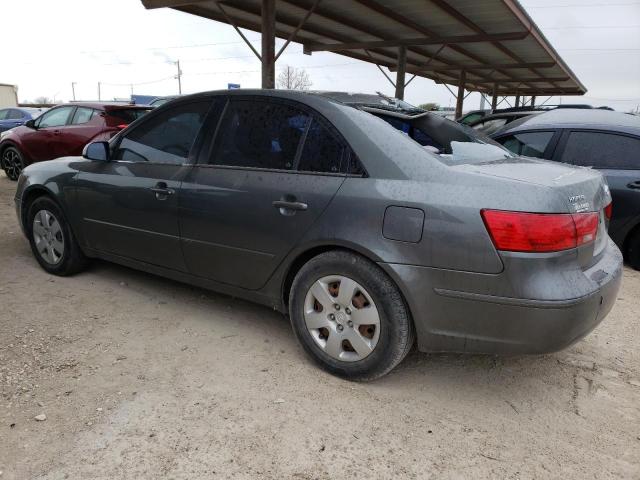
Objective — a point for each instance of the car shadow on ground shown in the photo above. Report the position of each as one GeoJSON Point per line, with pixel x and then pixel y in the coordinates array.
{"type": "Point", "coordinates": [457, 370]}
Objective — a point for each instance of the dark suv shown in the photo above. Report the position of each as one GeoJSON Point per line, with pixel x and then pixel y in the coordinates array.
{"type": "Point", "coordinates": [63, 130]}
{"type": "Point", "coordinates": [605, 140]}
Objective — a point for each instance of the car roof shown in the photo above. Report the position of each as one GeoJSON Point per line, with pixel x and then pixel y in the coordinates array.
{"type": "Point", "coordinates": [105, 105]}
{"type": "Point", "coordinates": [577, 118]}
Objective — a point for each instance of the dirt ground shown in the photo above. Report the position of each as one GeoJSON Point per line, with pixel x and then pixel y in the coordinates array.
{"type": "Point", "coordinates": [142, 377]}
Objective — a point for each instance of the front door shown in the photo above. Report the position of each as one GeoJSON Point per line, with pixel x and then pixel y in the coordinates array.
{"type": "Point", "coordinates": [273, 169]}
{"type": "Point", "coordinates": [130, 204]}
{"type": "Point", "coordinates": [42, 143]}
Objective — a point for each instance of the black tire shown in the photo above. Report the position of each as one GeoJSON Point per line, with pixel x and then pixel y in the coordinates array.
{"type": "Point", "coordinates": [71, 260]}
{"type": "Point", "coordinates": [396, 336]}
{"type": "Point", "coordinates": [12, 162]}
{"type": "Point", "coordinates": [633, 249]}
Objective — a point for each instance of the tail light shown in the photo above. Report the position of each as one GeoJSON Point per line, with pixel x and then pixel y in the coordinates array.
{"type": "Point", "coordinates": [539, 232]}
{"type": "Point", "coordinates": [608, 210]}
{"type": "Point", "coordinates": [122, 126]}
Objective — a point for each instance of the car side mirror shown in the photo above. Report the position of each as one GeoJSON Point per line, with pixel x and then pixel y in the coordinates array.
{"type": "Point", "coordinates": [98, 151]}
{"type": "Point", "coordinates": [30, 124]}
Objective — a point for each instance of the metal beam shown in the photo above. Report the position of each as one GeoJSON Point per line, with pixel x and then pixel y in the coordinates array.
{"type": "Point", "coordinates": [297, 29]}
{"type": "Point", "coordinates": [268, 44]}
{"type": "Point", "coordinates": [494, 98]}
{"type": "Point", "coordinates": [407, 42]}
{"type": "Point", "coordinates": [485, 66]}
{"type": "Point", "coordinates": [400, 74]}
{"type": "Point", "coordinates": [460, 97]}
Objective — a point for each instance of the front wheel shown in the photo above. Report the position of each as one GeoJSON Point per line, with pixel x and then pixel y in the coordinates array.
{"type": "Point", "coordinates": [52, 241]}
{"type": "Point", "coordinates": [12, 162]}
{"type": "Point", "coordinates": [349, 316]}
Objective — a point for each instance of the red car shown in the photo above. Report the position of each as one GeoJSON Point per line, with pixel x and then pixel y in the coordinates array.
{"type": "Point", "coordinates": [63, 131]}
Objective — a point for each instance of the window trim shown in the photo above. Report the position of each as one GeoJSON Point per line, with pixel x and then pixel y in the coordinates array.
{"type": "Point", "coordinates": [195, 149]}
{"type": "Point", "coordinates": [348, 153]}
{"type": "Point", "coordinates": [566, 133]}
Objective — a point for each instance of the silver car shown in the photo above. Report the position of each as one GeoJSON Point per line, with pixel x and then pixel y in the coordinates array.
{"type": "Point", "coordinates": [366, 238]}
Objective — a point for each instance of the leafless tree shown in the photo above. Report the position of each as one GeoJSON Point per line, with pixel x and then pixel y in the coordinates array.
{"type": "Point", "coordinates": [42, 100]}
{"type": "Point", "coordinates": [293, 79]}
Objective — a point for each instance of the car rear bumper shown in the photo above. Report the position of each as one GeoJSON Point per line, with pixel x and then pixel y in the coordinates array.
{"type": "Point", "coordinates": [521, 310]}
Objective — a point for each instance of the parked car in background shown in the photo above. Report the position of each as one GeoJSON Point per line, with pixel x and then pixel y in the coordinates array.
{"type": "Point", "coordinates": [490, 123]}
{"type": "Point", "coordinates": [474, 117]}
{"type": "Point", "coordinates": [16, 116]}
{"type": "Point", "coordinates": [324, 211]}
{"type": "Point", "coordinates": [63, 130]}
{"type": "Point", "coordinates": [605, 140]}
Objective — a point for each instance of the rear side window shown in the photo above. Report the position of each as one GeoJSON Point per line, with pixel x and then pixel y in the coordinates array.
{"type": "Point", "coordinates": [82, 115]}
{"type": "Point", "coordinates": [15, 115]}
{"type": "Point", "coordinates": [3, 114]}
{"type": "Point", "coordinates": [165, 138]}
{"type": "Point", "coordinates": [260, 134]}
{"type": "Point", "coordinates": [532, 144]}
{"type": "Point", "coordinates": [602, 150]}
{"type": "Point", "coordinates": [322, 152]}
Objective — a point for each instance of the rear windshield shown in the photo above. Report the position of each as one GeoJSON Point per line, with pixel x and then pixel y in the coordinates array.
{"type": "Point", "coordinates": [127, 115]}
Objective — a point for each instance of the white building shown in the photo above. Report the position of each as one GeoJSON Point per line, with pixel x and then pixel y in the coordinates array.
{"type": "Point", "coordinates": [8, 95]}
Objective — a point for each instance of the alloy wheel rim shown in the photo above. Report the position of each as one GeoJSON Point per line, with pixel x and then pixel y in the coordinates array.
{"type": "Point", "coordinates": [342, 318]}
{"type": "Point", "coordinates": [48, 237]}
{"type": "Point", "coordinates": [12, 163]}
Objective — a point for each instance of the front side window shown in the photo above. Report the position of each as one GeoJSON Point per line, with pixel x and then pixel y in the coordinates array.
{"type": "Point", "coordinates": [165, 138]}
{"type": "Point", "coordinates": [55, 118]}
{"type": "Point", "coordinates": [3, 114]}
{"type": "Point", "coordinates": [602, 150]}
{"type": "Point", "coordinates": [531, 144]}
{"type": "Point", "coordinates": [82, 115]}
{"type": "Point", "coordinates": [259, 134]}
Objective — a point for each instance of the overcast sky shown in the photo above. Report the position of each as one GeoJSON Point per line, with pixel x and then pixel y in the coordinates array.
{"type": "Point", "coordinates": [47, 45]}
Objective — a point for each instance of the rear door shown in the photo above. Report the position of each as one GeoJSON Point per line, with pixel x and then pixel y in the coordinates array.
{"type": "Point", "coordinates": [272, 169]}
{"type": "Point", "coordinates": [84, 124]}
{"type": "Point", "coordinates": [130, 204]}
{"type": "Point", "coordinates": [617, 155]}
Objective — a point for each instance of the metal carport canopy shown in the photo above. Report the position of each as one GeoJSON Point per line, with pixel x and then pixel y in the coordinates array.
{"type": "Point", "coordinates": [489, 46]}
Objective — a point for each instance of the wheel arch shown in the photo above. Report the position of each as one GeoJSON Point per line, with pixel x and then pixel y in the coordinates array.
{"type": "Point", "coordinates": [30, 195]}
{"type": "Point", "coordinates": [303, 256]}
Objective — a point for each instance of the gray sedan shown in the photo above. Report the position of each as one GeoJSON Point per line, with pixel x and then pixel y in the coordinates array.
{"type": "Point", "coordinates": [323, 211]}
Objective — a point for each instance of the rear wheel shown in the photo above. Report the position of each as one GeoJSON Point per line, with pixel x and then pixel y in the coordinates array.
{"type": "Point", "coordinates": [349, 316]}
{"type": "Point", "coordinates": [12, 162]}
{"type": "Point", "coordinates": [52, 240]}
{"type": "Point", "coordinates": [633, 249]}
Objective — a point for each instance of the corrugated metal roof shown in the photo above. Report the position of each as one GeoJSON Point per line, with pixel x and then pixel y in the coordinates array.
{"type": "Point", "coordinates": [493, 41]}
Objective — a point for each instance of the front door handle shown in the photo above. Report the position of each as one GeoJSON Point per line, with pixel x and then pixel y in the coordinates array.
{"type": "Point", "coordinates": [162, 191]}
{"type": "Point", "coordinates": [283, 204]}
{"type": "Point", "coordinates": [635, 185]}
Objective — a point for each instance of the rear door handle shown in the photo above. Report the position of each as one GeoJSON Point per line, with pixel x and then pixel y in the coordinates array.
{"type": "Point", "coordinates": [290, 205]}
{"type": "Point", "coordinates": [635, 185]}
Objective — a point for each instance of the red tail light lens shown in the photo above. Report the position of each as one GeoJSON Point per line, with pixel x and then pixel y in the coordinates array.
{"type": "Point", "coordinates": [122, 126]}
{"type": "Point", "coordinates": [608, 210]}
{"type": "Point", "coordinates": [539, 232]}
